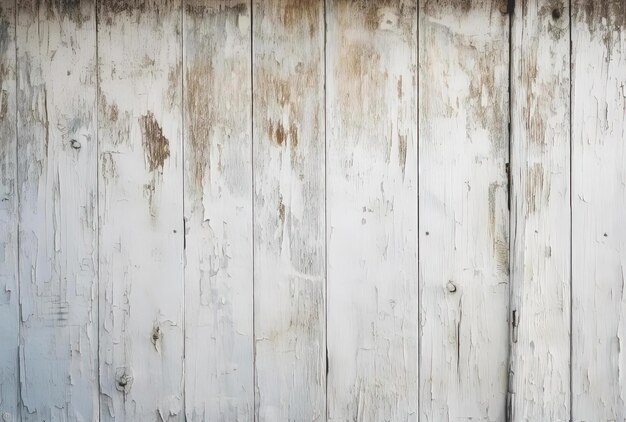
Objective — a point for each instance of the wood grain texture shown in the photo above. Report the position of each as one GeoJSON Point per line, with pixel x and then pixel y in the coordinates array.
{"type": "Point", "coordinates": [598, 201]}
{"type": "Point", "coordinates": [57, 181]}
{"type": "Point", "coordinates": [464, 224]}
{"type": "Point", "coordinates": [141, 210]}
{"type": "Point", "coordinates": [219, 358]}
{"type": "Point", "coordinates": [540, 212]}
{"type": "Point", "coordinates": [289, 247]}
{"type": "Point", "coordinates": [9, 300]}
{"type": "Point", "coordinates": [372, 210]}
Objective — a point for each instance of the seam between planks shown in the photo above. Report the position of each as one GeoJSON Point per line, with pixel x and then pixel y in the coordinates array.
{"type": "Point", "coordinates": [511, 14]}
{"type": "Point", "coordinates": [183, 161]}
{"type": "Point", "coordinates": [418, 184]}
{"type": "Point", "coordinates": [253, 193]}
{"type": "Point", "coordinates": [17, 253]}
{"type": "Point", "coordinates": [97, 123]}
{"type": "Point", "coordinates": [325, 212]}
{"type": "Point", "coordinates": [571, 227]}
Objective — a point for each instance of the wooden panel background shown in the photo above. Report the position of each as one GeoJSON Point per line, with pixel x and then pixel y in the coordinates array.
{"type": "Point", "coordinates": [312, 210]}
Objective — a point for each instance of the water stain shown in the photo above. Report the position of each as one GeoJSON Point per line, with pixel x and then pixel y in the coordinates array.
{"type": "Point", "coordinates": [156, 146]}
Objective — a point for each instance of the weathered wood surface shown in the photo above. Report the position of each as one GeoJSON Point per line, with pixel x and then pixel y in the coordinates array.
{"type": "Point", "coordinates": [219, 358]}
{"type": "Point", "coordinates": [464, 224]}
{"type": "Point", "coordinates": [141, 210]}
{"type": "Point", "coordinates": [209, 210]}
{"type": "Point", "coordinates": [57, 185]}
{"type": "Point", "coordinates": [540, 212]}
{"type": "Point", "coordinates": [598, 203]}
{"type": "Point", "coordinates": [289, 246]}
{"type": "Point", "coordinates": [9, 299]}
{"type": "Point", "coordinates": [372, 210]}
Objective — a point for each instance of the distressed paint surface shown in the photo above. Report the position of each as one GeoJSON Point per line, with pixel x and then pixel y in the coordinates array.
{"type": "Point", "coordinates": [464, 268]}
{"type": "Point", "coordinates": [141, 210]}
{"type": "Point", "coordinates": [58, 251]}
{"type": "Point", "coordinates": [9, 300]}
{"type": "Point", "coordinates": [372, 210]}
{"type": "Point", "coordinates": [289, 247]}
{"type": "Point", "coordinates": [181, 180]}
{"type": "Point", "coordinates": [219, 356]}
{"type": "Point", "coordinates": [540, 212]}
{"type": "Point", "coordinates": [598, 201]}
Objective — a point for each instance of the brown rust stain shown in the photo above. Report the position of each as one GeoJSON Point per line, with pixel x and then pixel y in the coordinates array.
{"type": "Point", "coordinates": [156, 146]}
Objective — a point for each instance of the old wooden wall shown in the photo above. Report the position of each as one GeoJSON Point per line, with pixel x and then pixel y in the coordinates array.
{"type": "Point", "coordinates": [307, 210]}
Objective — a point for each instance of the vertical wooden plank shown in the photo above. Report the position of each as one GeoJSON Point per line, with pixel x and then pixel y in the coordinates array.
{"type": "Point", "coordinates": [464, 224]}
{"type": "Point", "coordinates": [372, 210]}
{"type": "Point", "coordinates": [289, 247]}
{"type": "Point", "coordinates": [599, 198]}
{"type": "Point", "coordinates": [219, 358]}
{"type": "Point", "coordinates": [57, 182]}
{"type": "Point", "coordinates": [9, 300]}
{"type": "Point", "coordinates": [141, 210]}
{"type": "Point", "coordinates": [540, 212]}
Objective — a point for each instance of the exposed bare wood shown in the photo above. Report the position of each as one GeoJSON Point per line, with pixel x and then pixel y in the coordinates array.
{"type": "Point", "coordinates": [289, 247]}
{"type": "Point", "coordinates": [219, 355]}
{"type": "Point", "coordinates": [9, 300]}
{"type": "Point", "coordinates": [372, 210]}
{"type": "Point", "coordinates": [57, 182]}
{"type": "Point", "coordinates": [464, 224]}
{"type": "Point", "coordinates": [540, 212]}
{"type": "Point", "coordinates": [141, 210]}
{"type": "Point", "coordinates": [598, 201]}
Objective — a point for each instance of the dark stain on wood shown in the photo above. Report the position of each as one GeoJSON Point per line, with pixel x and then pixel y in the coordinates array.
{"type": "Point", "coordinates": [76, 11]}
{"type": "Point", "coordinates": [297, 14]}
{"type": "Point", "coordinates": [402, 148]}
{"type": "Point", "coordinates": [156, 146]}
{"type": "Point", "coordinates": [109, 9]}
{"type": "Point", "coordinates": [534, 187]}
{"type": "Point", "coordinates": [607, 17]}
{"type": "Point", "coordinates": [281, 210]}
{"type": "Point", "coordinates": [200, 116]}
{"type": "Point", "coordinates": [203, 8]}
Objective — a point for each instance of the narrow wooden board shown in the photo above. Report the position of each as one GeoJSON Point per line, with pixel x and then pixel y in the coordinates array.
{"type": "Point", "coordinates": [57, 182]}
{"type": "Point", "coordinates": [463, 210]}
{"type": "Point", "coordinates": [9, 300]}
{"type": "Point", "coordinates": [598, 201]}
{"type": "Point", "coordinates": [372, 210]}
{"type": "Point", "coordinates": [219, 358]}
{"type": "Point", "coordinates": [141, 210]}
{"type": "Point", "coordinates": [289, 247]}
{"type": "Point", "coordinates": [540, 212]}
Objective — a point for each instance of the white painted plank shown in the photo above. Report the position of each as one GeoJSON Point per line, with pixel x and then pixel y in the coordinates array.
{"type": "Point", "coordinates": [141, 210]}
{"type": "Point", "coordinates": [219, 358]}
{"type": "Point", "coordinates": [9, 300]}
{"type": "Point", "coordinates": [599, 198]}
{"type": "Point", "coordinates": [464, 216]}
{"type": "Point", "coordinates": [57, 182]}
{"type": "Point", "coordinates": [289, 252]}
{"type": "Point", "coordinates": [372, 210]}
{"type": "Point", "coordinates": [540, 212]}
